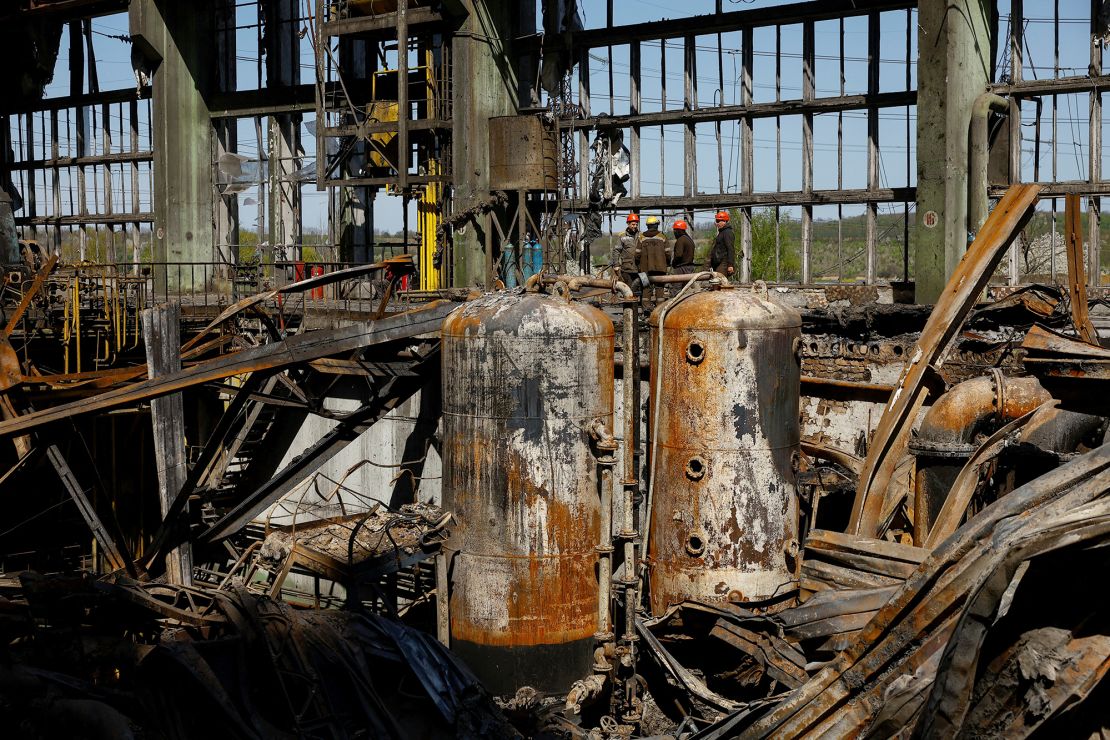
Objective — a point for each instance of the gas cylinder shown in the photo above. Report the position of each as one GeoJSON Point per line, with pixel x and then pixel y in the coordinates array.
{"type": "Point", "coordinates": [724, 523]}
{"type": "Point", "coordinates": [525, 376]}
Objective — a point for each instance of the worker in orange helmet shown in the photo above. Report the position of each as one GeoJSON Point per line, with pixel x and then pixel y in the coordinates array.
{"type": "Point", "coordinates": [682, 257]}
{"type": "Point", "coordinates": [722, 257]}
{"type": "Point", "coordinates": [627, 250]}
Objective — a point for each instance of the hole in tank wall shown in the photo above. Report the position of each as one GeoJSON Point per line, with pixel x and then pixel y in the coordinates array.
{"type": "Point", "coordinates": [695, 545]}
{"type": "Point", "coordinates": [695, 468]}
{"type": "Point", "coordinates": [695, 352]}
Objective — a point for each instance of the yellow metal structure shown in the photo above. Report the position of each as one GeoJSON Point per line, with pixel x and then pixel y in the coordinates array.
{"type": "Point", "coordinates": [429, 206]}
{"type": "Point", "coordinates": [428, 215]}
{"type": "Point", "coordinates": [383, 153]}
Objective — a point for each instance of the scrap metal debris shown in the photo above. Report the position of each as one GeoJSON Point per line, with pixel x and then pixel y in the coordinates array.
{"type": "Point", "coordinates": [963, 646]}
{"type": "Point", "coordinates": [119, 659]}
{"type": "Point", "coordinates": [939, 579]}
{"type": "Point", "coordinates": [360, 538]}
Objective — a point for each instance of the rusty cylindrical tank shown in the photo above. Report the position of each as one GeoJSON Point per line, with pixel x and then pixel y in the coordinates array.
{"type": "Point", "coordinates": [524, 377]}
{"type": "Point", "coordinates": [724, 520]}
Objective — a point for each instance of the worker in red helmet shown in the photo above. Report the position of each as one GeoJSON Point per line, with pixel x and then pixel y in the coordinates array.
{"type": "Point", "coordinates": [626, 251]}
{"type": "Point", "coordinates": [722, 257]}
{"type": "Point", "coordinates": [682, 257]}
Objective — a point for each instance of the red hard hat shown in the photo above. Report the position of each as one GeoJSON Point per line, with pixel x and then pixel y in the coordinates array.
{"type": "Point", "coordinates": [633, 218]}
{"type": "Point", "coordinates": [722, 216]}
{"type": "Point", "coordinates": [680, 225]}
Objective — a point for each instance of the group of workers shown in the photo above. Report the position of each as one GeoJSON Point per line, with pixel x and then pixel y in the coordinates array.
{"type": "Point", "coordinates": [652, 253]}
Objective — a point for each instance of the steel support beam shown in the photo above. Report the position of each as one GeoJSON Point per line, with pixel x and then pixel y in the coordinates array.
{"type": "Point", "coordinates": [298, 349]}
{"type": "Point", "coordinates": [388, 396]}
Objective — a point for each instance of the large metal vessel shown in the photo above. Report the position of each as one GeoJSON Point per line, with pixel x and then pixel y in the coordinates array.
{"type": "Point", "coordinates": [525, 377]}
{"type": "Point", "coordinates": [724, 521]}
{"type": "Point", "coordinates": [523, 153]}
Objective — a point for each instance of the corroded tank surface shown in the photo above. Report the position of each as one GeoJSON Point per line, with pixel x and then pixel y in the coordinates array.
{"type": "Point", "coordinates": [523, 154]}
{"type": "Point", "coordinates": [524, 377]}
{"type": "Point", "coordinates": [724, 514]}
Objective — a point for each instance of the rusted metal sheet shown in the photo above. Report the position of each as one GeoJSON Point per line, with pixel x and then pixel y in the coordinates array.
{"type": "Point", "coordinates": [781, 661]}
{"type": "Point", "coordinates": [889, 559]}
{"type": "Point", "coordinates": [957, 591]}
{"type": "Point", "coordinates": [689, 681]}
{"type": "Point", "coordinates": [1045, 673]}
{"type": "Point", "coordinates": [1074, 372]}
{"type": "Point", "coordinates": [525, 377]}
{"type": "Point", "coordinates": [301, 348]}
{"type": "Point", "coordinates": [724, 521]}
{"type": "Point", "coordinates": [963, 289]}
{"type": "Point", "coordinates": [819, 615]}
{"type": "Point", "coordinates": [1044, 342]}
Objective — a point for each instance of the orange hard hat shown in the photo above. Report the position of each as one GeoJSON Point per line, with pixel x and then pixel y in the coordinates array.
{"type": "Point", "coordinates": [680, 225]}
{"type": "Point", "coordinates": [721, 216]}
{"type": "Point", "coordinates": [633, 218]}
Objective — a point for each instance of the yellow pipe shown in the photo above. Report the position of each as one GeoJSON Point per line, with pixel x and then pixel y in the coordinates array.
{"type": "Point", "coordinates": [77, 318]}
{"type": "Point", "coordinates": [65, 335]}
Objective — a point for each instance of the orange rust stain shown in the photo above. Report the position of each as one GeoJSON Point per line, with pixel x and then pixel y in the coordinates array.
{"type": "Point", "coordinates": [551, 599]}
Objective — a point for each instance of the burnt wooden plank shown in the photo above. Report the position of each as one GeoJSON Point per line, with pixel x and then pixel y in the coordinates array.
{"type": "Point", "coordinates": [162, 335]}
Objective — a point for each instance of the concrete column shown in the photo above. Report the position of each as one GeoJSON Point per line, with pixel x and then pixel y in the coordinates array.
{"type": "Point", "coordinates": [283, 69]}
{"type": "Point", "coordinates": [485, 85]}
{"type": "Point", "coordinates": [953, 69]}
{"type": "Point", "coordinates": [173, 40]}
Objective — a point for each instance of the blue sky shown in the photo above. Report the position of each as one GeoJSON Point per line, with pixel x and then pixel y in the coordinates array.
{"type": "Point", "coordinates": [1071, 111]}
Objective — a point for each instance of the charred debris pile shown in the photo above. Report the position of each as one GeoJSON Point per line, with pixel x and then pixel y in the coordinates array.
{"type": "Point", "coordinates": [742, 513]}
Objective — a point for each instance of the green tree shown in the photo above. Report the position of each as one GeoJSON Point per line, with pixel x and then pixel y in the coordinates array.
{"type": "Point", "coordinates": [763, 245]}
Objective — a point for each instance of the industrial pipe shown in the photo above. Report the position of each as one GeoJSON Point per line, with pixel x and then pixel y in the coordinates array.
{"type": "Point", "coordinates": [1044, 440]}
{"type": "Point", "coordinates": [576, 283]}
{"type": "Point", "coordinates": [978, 156]}
{"type": "Point", "coordinates": [685, 277]}
{"type": "Point", "coordinates": [1056, 430]}
{"type": "Point", "coordinates": [630, 376]}
{"type": "Point", "coordinates": [604, 447]}
{"type": "Point", "coordinates": [948, 431]}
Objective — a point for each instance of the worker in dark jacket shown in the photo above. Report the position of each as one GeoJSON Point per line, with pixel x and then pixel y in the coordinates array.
{"type": "Point", "coordinates": [626, 252]}
{"type": "Point", "coordinates": [655, 254]}
{"type": "Point", "coordinates": [682, 260]}
{"type": "Point", "coordinates": [722, 256]}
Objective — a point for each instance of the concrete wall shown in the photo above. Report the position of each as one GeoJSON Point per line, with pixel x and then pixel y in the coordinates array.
{"type": "Point", "coordinates": [400, 436]}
